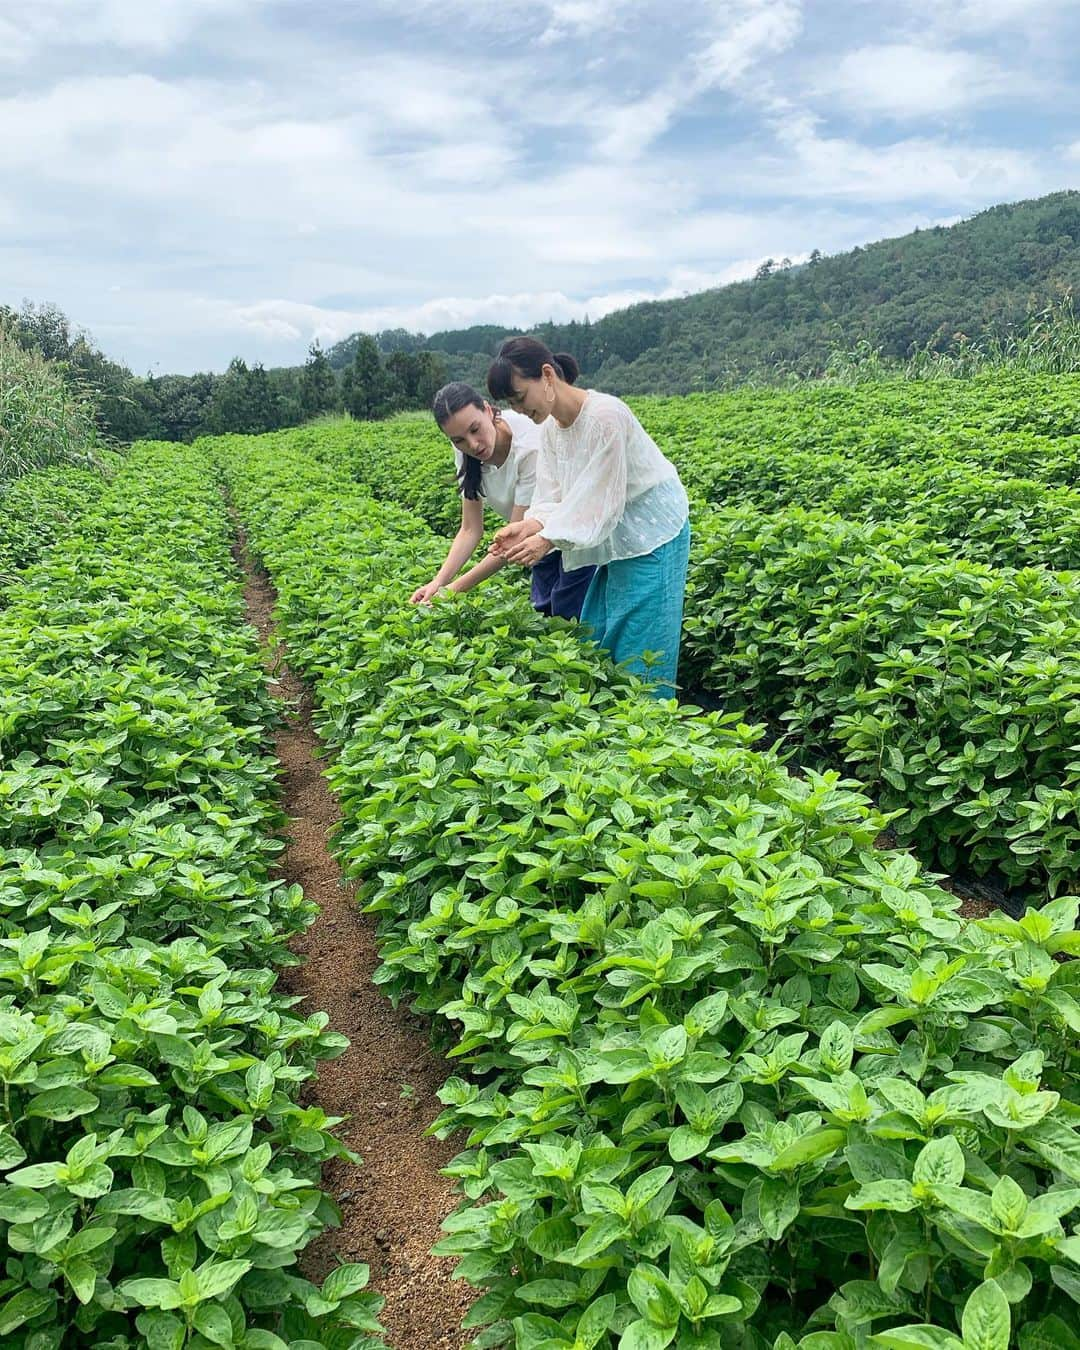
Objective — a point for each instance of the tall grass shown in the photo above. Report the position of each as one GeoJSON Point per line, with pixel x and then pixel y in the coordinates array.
{"type": "Point", "coordinates": [1047, 344]}
{"type": "Point", "coordinates": [42, 420]}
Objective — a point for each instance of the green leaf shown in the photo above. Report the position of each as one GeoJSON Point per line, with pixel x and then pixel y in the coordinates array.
{"type": "Point", "coordinates": [987, 1320]}
{"type": "Point", "coordinates": [212, 1321]}
{"type": "Point", "coordinates": [551, 1237]}
{"type": "Point", "coordinates": [24, 1307]}
{"type": "Point", "coordinates": [63, 1103]}
{"type": "Point", "coordinates": [778, 1206]}
{"type": "Point", "coordinates": [811, 1147]}
{"type": "Point", "coordinates": [940, 1163]}
{"type": "Point", "coordinates": [345, 1281]}
{"type": "Point", "coordinates": [1009, 1204]}
{"type": "Point", "coordinates": [595, 1320]}
{"type": "Point", "coordinates": [596, 1240]}
{"type": "Point", "coordinates": [837, 1046]}
{"type": "Point", "coordinates": [215, 1279]}
{"type": "Point", "coordinates": [894, 1195]}
{"type": "Point", "coordinates": [19, 1204]}
{"type": "Point", "coordinates": [685, 1142]}
{"type": "Point", "coordinates": [12, 1152]}
{"type": "Point", "coordinates": [1057, 1143]}
{"type": "Point", "coordinates": [549, 1293]}
{"type": "Point", "coordinates": [152, 1293]}
{"type": "Point", "coordinates": [919, 1337]}
{"type": "Point", "coordinates": [162, 1330]}
{"type": "Point", "coordinates": [648, 1186]}
{"type": "Point", "coordinates": [642, 1335]}
{"type": "Point", "coordinates": [1049, 1334]}
{"type": "Point", "coordinates": [82, 1277]}
{"type": "Point", "coordinates": [37, 1175]}
{"type": "Point", "coordinates": [653, 1296]}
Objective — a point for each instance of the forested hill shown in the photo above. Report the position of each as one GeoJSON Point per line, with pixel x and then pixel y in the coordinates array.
{"type": "Point", "coordinates": [980, 278]}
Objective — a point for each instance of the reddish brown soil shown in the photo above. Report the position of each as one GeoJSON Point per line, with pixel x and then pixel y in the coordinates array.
{"type": "Point", "coordinates": [393, 1205]}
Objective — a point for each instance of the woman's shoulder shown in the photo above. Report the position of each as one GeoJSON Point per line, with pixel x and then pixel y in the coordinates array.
{"type": "Point", "coordinates": [603, 413]}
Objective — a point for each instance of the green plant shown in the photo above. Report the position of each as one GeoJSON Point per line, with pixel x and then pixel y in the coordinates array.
{"type": "Point", "coordinates": [42, 421]}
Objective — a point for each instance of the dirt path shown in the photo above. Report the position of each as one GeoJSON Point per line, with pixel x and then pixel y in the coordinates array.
{"type": "Point", "coordinates": [393, 1205]}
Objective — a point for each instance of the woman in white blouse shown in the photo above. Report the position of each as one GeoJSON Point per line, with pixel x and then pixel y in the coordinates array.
{"type": "Point", "coordinates": [496, 463]}
{"type": "Point", "coordinates": [605, 495]}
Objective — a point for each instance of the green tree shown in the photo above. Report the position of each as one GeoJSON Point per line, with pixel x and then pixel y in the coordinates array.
{"type": "Point", "coordinates": [367, 390]}
{"type": "Point", "coordinates": [318, 387]}
{"type": "Point", "coordinates": [431, 375]}
{"type": "Point", "coordinates": [228, 409]}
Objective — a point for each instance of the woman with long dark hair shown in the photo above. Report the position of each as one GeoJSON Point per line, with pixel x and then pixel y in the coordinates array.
{"type": "Point", "coordinates": [605, 496]}
{"type": "Point", "coordinates": [496, 464]}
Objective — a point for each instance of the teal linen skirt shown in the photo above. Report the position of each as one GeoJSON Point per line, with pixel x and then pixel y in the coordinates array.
{"type": "Point", "coordinates": [635, 605]}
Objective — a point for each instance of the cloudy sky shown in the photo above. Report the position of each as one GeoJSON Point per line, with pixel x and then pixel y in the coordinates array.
{"type": "Point", "coordinates": [195, 179]}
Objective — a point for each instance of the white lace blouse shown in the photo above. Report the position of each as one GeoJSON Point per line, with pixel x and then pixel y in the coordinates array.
{"type": "Point", "coordinates": [604, 490]}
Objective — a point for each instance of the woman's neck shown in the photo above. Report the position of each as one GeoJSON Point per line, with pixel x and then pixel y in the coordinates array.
{"type": "Point", "coordinates": [504, 438]}
{"type": "Point", "coordinates": [567, 405]}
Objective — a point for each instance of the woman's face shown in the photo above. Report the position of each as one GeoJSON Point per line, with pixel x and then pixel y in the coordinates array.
{"type": "Point", "coordinates": [531, 397]}
{"type": "Point", "coordinates": [472, 431]}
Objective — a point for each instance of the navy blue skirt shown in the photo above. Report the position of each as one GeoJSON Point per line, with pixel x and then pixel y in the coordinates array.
{"type": "Point", "coordinates": [556, 591]}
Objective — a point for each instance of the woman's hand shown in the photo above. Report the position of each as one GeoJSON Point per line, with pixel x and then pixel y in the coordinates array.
{"type": "Point", "coordinates": [423, 594]}
{"type": "Point", "coordinates": [529, 551]}
{"type": "Point", "coordinates": [510, 535]}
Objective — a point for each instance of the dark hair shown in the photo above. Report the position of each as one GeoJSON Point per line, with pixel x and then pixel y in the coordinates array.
{"type": "Point", "coordinates": [527, 356]}
{"type": "Point", "coordinates": [450, 399]}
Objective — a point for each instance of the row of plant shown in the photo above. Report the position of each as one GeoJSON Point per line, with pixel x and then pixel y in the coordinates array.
{"type": "Point", "coordinates": [949, 687]}
{"type": "Point", "coordinates": [732, 1077]}
{"type": "Point", "coordinates": [39, 509]}
{"type": "Point", "coordinates": [159, 1173]}
{"type": "Point", "coordinates": [1001, 499]}
{"type": "Point", "coordinates": [885, 421]}
{"type": "Point", "coordinates": [980, 513]}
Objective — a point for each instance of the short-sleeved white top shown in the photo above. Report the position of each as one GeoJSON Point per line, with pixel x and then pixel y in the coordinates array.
{"type": "Point", "coordinates": [604, 489]}
{"type": "Point", "coordinates": [513, 482]}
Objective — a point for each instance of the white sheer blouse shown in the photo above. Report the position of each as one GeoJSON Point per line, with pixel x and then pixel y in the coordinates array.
{"type": "Point", "coordinates": [604, 490]}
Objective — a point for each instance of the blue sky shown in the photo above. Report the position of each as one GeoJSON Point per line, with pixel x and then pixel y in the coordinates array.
{"type": "Point", "coordinates": [196, 179]}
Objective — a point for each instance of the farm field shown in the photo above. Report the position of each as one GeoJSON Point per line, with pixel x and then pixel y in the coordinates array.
{"type": "Point", "coordinates": [725, 1073]}
{"type": "Point", "coordinates": [870, 573]}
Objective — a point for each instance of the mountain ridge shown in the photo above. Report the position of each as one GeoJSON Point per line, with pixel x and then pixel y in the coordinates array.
{"type": "Point", "coordinates": [976, 279]}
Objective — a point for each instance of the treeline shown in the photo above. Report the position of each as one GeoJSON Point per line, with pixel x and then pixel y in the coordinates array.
{"type": "Point", "coordinates": [971, 286]}
{"type": "Point", "coordinates": [246, 398]}
{"type": "Point", "coordinates": [940, 301]}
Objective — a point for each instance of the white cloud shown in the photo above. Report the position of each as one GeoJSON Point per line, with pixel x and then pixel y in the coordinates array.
{"type": "Point", "coordinates": [579, 19]}
{"type": "Point", "coordinates": [910, 80]}
{"type": "Point", "coordinates": [15, 46]}
{"type": "Point", "coordinates": [983, 16]}
{"type": "Point", "coordinates": [760, 29]}
{"type": "Point", "coordinates": [130, 25]}
{"type": "Point", "coordinates": [289, 322]}
{"type": "Point", "coordinates": [737, 39]}
{"type": "Point", "coordinates": [238, 176]}
{"type": "Point", "coordinates": [916, 168]}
